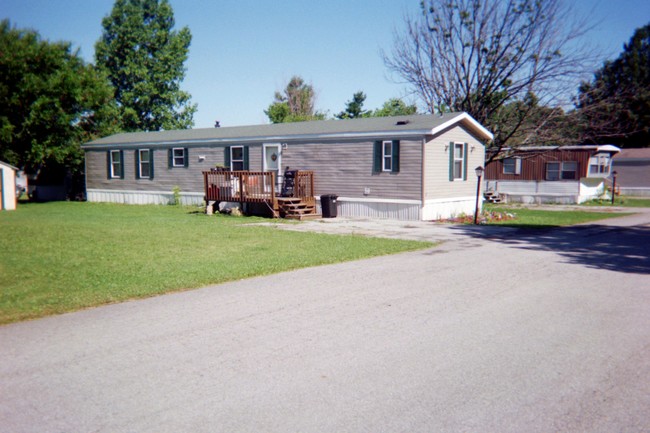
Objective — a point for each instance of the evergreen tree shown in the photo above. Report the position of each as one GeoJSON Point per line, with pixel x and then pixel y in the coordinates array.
{"type": "Point", "coordinates": [144, 57]}
{"type": "Point", "coordinates": [615, 106]}
{"type": "Point", "coordinates": [354, 108]}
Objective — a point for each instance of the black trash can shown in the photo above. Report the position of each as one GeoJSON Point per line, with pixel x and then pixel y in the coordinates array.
{"type": "Point", "coordinates": [328, 205]}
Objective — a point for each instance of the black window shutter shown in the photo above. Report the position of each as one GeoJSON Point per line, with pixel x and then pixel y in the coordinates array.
{"type": "Point", "coordinates": [108, 164]}
{"type": "Point", "coordinates": [121, 164]}
{"type": "Point", "coordinates": [150, 163]}
{"type": "Point", "coordinates": [377, 157]}
{"type": "Point", "coordinates": [452, 149]}
{"type": "Point", "coordinates": [226, 156]}
{"type": "Point", "coordinates": [137, 164]}
{"type": "Point", "coordinates": [246, 158]}
{"type": "Point", "coordinates": [465, 160]}
{"type": "Point", "coordinates": [186, 151]}
{"type": "Point", "coordinates": [395, 156]}
{"type": "Point", "coordinates": [170, 158]}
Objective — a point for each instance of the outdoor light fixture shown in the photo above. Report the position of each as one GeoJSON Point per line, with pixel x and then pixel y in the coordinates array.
{"type": "Point", "coordinates": [479, 173]}
{"type": "Point", "coordinates": [614, 173]}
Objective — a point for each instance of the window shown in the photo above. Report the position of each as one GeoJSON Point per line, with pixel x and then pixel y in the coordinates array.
{"type": "Point", "coordinates": [144, 163]}
{"type": "Point", "coordinates": [599, 165]}
{"type": "Point", "coordinates": [458, 161]}
{"type": "Point", "coordinates": [386, 156]}
{"type": "Point", "coordinates": [237, 158]}
{"type": "Point", "coordinates": [512, 166]}
{"type": "Point", "coordinates": [115, 165]}
{"type": "Point", "coordinates": [569, 171]}
{"type": "Point", "coordinates": [561, 170]}
{"type": "Point", "coordinates": [179, 157]}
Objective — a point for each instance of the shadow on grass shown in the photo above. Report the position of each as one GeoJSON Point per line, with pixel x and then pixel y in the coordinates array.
{"type": "Point", "coordinates": [619, 249]}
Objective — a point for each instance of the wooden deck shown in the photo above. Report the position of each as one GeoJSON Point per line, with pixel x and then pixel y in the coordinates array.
{"type": "Point", "coordinates": [293, 201]}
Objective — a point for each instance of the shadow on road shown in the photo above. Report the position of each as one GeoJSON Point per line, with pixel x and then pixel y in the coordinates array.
{"type": "Point", "coordinates": [619, 249]}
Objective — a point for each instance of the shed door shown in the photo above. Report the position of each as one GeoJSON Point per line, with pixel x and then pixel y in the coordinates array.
{"type": "Point", "coordinates": [272, 161]}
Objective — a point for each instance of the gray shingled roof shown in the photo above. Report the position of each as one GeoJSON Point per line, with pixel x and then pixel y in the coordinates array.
{"type": "Point", "coordinates": [399, 126]}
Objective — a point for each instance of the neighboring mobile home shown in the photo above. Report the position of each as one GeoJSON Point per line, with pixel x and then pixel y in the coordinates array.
{"type": "Point", "coordinates": [550, 174]}
{"type": "Point", "coordinates": [632, 168]}
{"type": "Point", "coordinates": [8, 187]}
{"type": "Point", "coordinates": [418, 167]}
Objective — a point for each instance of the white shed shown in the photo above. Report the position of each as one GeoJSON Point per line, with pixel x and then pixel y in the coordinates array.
{"type": "Point", "coordinates": [8, 197]}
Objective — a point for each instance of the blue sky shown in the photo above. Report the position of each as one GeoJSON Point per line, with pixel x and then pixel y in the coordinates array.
{"type": "Point", "coordinates": [244, 50]}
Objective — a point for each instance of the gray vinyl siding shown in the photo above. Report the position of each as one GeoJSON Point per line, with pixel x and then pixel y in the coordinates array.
{"type": "Point", "coordinates": [437, 183]}
{"type": "Point", "coordinates": [346, 169]}
{"type": "Point", "coordinates": [188, 179]}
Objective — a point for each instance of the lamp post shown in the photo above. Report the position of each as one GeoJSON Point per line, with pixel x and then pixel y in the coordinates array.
{"type": "Point", "coordinates": [479, 174]}
{"type": "Point", "coordinates": [614, 186]}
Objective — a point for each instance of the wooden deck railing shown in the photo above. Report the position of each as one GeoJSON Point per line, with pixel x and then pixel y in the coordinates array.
{"type": "Point", "coordinates": [254, 187]}
{"type": "Point", "coordinates": [239, 186]}
{"type": "Point", "coordinates": [304, 186]}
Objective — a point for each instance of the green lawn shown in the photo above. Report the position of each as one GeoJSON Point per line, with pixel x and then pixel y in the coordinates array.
{"type": "Point", "coordinates": [59, 257]}
{"type": "Point", "coordinates": [623, 201]}
{"type": "Point", "coordinates": [537, 218]}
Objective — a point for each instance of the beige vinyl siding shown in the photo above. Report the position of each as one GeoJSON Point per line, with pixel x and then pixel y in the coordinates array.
{"type": "Point", "coordinates": [437, 183]}
{"type": "Point", "coordinates": [346, 169]}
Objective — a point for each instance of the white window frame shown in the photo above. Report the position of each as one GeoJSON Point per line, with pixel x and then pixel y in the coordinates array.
{"type": "Point", "coordinates": [460, 162]}
{"type": "Point", "coordinates": [561, 170]}
{"type": "Point", "coordinates": [116, 161]}
{"type": "Point", "coordinates": [387, 155]}
{"type": "Point", "coordinates": [600, 165]}
{"type": "Point", "coordinates": [143, 161]}
{"type": "Point", "coordinates": [175, 157]}
{"type": "Point", "coordinates": [233, 160]}
{"type": "Point", "coordinates": [512, 166]}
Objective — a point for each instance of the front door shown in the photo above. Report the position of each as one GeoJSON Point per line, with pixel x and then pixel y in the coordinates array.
{"type": "Point", "coordinates": [272, 162]}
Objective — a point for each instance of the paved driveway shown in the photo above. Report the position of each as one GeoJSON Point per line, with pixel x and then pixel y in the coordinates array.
{"type": "Point", "coordinates": [494, 330]}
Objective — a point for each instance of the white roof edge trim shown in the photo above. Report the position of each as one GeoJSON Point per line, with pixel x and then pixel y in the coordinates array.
{"type": "Point", "coordinates": [460, 118]}
{"type": "Point", "coordinates": [261, 139]}
{"type": "Point", "coordinates": [608, 148]}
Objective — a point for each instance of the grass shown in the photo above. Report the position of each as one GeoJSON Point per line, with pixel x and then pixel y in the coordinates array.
{"type": "Point", "coordinates": [538, 218]}
{"type": "Point", "coordinates": [622, 201]}
{"type": "Point", "coordinates": [65, 256]}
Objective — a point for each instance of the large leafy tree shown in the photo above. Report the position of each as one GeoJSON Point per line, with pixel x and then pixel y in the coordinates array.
{"type": "Point", "coordinates": [294, 104]}
{"type": "Point", "coordinates": [615, 105]}
{"type": "Point", "coordinates": [479, 56]}
{"type": "Point", "coordinates": [50, 102]}
{"type": "Point", "coordinates": [144, 58]}
{"type": "Point", "coordinates": [394, 107]}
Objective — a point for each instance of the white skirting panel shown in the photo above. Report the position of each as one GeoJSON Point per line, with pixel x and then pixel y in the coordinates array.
{"type": "Point", "coordinates": [403, 210]}
{"type": "Point", "coordinates": [142, 197]}
{"type": "Point", "coordinates": [444, 208]}
{"type": "Point", "coordinates": [642, 191]}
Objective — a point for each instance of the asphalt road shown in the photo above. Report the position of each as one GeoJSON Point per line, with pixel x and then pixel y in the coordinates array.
{"type": "Point", "coordinates": [495, 330]}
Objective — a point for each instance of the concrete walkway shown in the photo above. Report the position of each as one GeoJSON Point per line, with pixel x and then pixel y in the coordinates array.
{"type": "Point", "coordinates": [494, 330]}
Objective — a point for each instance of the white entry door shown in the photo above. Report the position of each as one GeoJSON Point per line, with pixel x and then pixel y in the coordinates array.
{"type": "Point", "coordinates": [273, 162]}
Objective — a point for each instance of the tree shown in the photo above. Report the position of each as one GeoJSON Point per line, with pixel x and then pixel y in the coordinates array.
{"type": "Point", "coordinates": [480, 55]}
{"type": "Point", "coordinates": [615, 106]}
{"type": "Point", "coordinates": [394, 107]}
{"type": "Point", "coordinates": [144, 57]}
{"type": "Point", "coordinates": [50, 103]}
{"type": "Point", "coordinates": [354, 108]}
{"type": "Point", "coordinates": [295, 104]}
